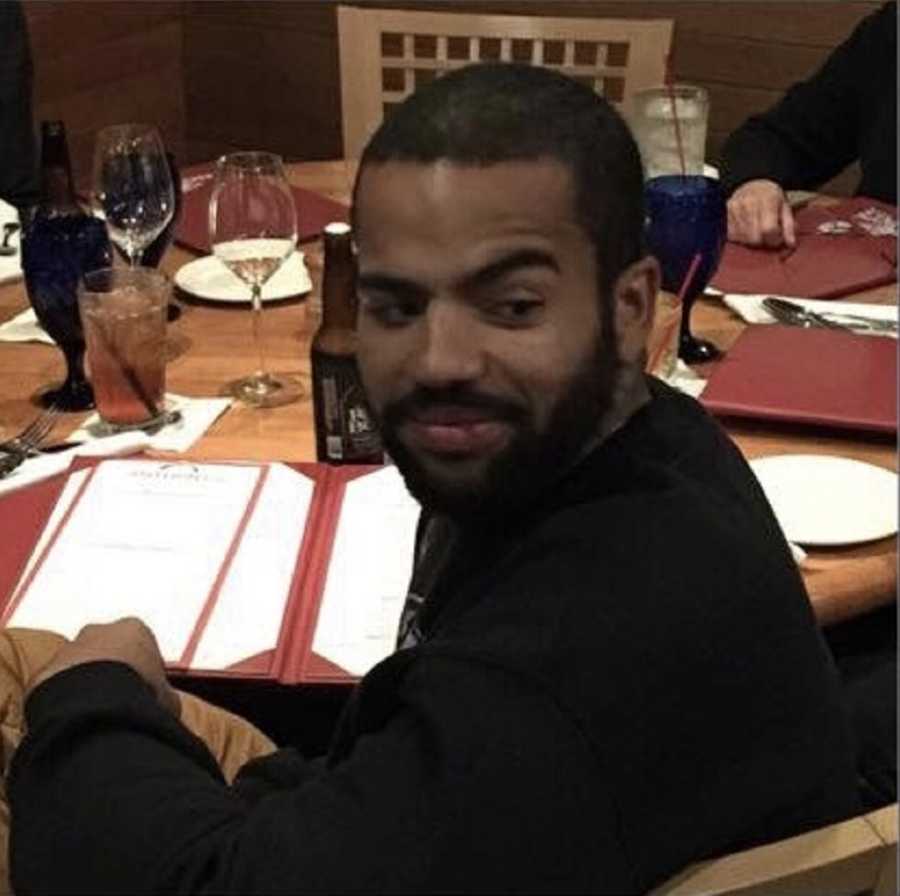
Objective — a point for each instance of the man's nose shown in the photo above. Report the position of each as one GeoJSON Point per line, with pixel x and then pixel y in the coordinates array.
{"type": "Point", "coordinates": [449, 350]}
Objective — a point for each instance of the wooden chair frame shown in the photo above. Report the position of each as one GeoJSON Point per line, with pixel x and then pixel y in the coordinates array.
{"type": "Point", "coordinates": [386, 54]}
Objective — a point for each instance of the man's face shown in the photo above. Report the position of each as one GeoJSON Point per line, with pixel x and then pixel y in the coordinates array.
{"type": "Point", "coordinates": [481, 345]}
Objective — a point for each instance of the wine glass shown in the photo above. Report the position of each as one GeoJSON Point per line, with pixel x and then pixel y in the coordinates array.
{"type": "Point", "coordinates": [133, 187]}
{"type": "Point", "coordinates": [253, 229]}
{"type": "Point", "coordinates": [686, 216]}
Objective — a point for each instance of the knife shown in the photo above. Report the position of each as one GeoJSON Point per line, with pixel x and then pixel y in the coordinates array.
{"type": "Point", "coordinates": [792, 313]}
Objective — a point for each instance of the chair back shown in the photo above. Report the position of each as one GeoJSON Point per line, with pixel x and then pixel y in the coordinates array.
{"type": "Point", "coordinates": [386, 54]}
{"type": "Point", "coordinates": [851, 858]}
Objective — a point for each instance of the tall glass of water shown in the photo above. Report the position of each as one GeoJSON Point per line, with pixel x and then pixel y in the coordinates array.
{"type": "Point", "coordinates": [253, 230]}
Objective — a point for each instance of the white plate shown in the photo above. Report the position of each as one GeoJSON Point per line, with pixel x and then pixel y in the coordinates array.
{"type": "Point", "coordinates": [824, 500]}
{"type": "Point", "coordinates": [208, 278]}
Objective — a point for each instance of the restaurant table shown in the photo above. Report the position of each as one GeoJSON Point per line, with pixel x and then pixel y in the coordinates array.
{"type": "Point", "coordinates": [210, 344]}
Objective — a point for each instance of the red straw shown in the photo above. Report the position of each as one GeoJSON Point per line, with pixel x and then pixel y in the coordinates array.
{"type": "Point", "coordinates": [670, 87]}
{"type": "Point", "coordinates": [679, 300]}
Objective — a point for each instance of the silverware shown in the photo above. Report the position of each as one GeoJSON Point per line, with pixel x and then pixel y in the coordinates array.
{"type": "Point", "coordinates": [8, 230]}
{"type": "Point", "coordinates": [17, 450]}
{"type": "Point", "coordinates": [796, 315]}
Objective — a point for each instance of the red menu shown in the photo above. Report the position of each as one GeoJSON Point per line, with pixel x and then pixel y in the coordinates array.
{"type": "Point", "coordinates": [818, 376]}
{"type": "Point", "coordinates": [314, 211]}
{"type": "Point", "coordinates": [348, 505]}
{"type": "Point", "coordinates": [841, 249]}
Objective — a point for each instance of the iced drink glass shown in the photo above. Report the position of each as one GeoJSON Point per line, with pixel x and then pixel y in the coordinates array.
{"type": "Point", "coordinates": [654, 128]}
{"type": "Point", "coordinates": [123, 314]}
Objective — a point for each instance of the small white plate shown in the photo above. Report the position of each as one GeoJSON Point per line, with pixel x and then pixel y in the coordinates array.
{"type": "Point", "coordinates": [824, 500]}
{"type": "Point", "coordinates": [208, 278]}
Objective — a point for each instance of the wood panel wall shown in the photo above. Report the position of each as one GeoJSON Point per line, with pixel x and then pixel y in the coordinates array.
{"type": "Point", "coordinates": [99, 63]}
{"type": "Point", "coordinates": [235, 74]}
{"type": "Point", "coordinates": [266, 73]}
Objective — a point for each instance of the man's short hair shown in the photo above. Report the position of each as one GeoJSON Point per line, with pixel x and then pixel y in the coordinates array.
{"type": "Point", "coordinates": [498, 112]}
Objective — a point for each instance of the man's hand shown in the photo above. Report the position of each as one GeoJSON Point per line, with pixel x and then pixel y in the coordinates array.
{"type": "Point", "coordinates": [760, 215]}
{"type": "Point", "coordinates": [126, 641]}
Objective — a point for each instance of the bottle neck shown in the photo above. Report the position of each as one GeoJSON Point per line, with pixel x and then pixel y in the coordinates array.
{"type": "Point", "coordinates": [339, 282]}
{"type": "Point", "coordinates": [57, 190]}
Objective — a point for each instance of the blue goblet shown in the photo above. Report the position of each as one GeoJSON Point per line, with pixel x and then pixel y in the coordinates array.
{"type": "Point", "coordinates": [686, 216]}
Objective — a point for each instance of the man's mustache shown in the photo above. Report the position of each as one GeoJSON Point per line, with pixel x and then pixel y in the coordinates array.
{"type": "Point", "coordinates": [423, 399]}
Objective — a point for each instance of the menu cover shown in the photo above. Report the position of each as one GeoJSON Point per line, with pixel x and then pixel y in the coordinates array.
{"type": "Point", "coordinates": [820, 376]}
{"type": "Point", "coordinates": [314, 211]}
{"type": "Point", "coordinates": [348, 569]}
{"type": "Point", "coordinates": [841, 249]}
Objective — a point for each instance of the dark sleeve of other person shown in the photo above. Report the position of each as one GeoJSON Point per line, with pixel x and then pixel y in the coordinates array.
{"type": "Point", "coordinates": [18, 167]}
{"type": "Point", "coordinates": [846, 111]}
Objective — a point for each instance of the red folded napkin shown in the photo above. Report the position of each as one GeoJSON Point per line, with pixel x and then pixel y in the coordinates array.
{"type": "Point", "coordinates": [817, 376]}
{"type": "Point", "coordinates": [841, 249]}
{"type": "Point", "coordinates": [313, 211]}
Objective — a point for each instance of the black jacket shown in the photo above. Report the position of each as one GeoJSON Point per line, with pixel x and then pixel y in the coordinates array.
{"type": "Point", "coordinates": [622, 681]}
{"type": "Point", "coordinates": [846, 111]}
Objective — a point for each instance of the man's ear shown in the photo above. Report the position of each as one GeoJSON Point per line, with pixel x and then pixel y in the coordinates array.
{"type": "Point", "coordinates": [634, 302]}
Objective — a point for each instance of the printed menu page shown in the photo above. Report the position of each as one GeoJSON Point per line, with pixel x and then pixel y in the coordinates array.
{"type": "Point", "coordinates": [158, 540]}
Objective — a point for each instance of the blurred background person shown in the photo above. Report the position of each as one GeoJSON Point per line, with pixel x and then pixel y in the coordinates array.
{"type": "Point", "coordinates": [18, 166]}
{"type": "Point", "coordinates": [846, 111]}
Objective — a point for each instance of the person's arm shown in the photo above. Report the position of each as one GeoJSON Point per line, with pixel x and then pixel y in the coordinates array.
{"type": "Point", "coordinates": [809, 136]}
{"type": "Point", "coordinates": [463, 778]}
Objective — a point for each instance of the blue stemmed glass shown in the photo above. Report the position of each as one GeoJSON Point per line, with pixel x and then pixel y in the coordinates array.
{"type": "Point", "coordinates": [57, 250]}
{"type": "Point", "coordinates": [686, 215]}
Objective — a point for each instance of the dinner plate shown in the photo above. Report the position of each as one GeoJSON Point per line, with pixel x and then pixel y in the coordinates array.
{"type": "Point", "coordinates": [823, 500]}
{"type": "Point", "coordinates": [208, 278]}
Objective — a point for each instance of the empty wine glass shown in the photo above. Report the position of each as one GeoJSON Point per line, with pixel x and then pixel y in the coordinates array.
{"type": "Point", "coordinates": [253, 229]}
{"type": "Point", "coordinates": [133, 188]}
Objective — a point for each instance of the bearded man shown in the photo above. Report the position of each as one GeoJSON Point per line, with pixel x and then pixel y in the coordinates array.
{"type": "Point", "coordinates": [607, 666]}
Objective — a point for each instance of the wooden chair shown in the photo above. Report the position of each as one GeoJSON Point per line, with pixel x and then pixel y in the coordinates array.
{"type": "Point", "coordinates": [386, 54]}
{"type": "Point", "coordinates": [854, 857]}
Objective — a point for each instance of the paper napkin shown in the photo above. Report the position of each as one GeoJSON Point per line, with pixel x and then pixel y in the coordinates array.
{"type": "Point", "coordinates": [197, 415]}
{"type": "Point", "coordinates": [750, 308]}
{"type": "Point", "coordinates": [24, 327]}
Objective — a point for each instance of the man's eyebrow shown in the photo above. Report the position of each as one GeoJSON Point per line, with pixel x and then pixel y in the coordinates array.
{"type": "Point", "coordinates": [491, 272]}
{"type": "Point", "coordinates": [523, 258]}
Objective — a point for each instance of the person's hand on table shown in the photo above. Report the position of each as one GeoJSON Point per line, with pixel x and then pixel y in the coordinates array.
{"type": "Point", "coordinates": [126, 641]}
{"type": "Point", "coordinates": [759, 214]}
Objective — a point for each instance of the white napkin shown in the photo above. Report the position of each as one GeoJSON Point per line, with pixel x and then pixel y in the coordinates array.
{"type": "Point", "coordinates": [10, 265]}
{"type": "Point", "coordinates": [750, 308]}
{"type": "Point", "coordinates": [24, 327]}
{"type": "Point", "coordinates": [46, 465]}
{"type": "Point", "coordinates": [197, 415]}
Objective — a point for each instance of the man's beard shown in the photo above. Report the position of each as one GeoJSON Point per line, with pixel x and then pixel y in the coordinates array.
{"type": "Point", "coordinates": [533, 461]}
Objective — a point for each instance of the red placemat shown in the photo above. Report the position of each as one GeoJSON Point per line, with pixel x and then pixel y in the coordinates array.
{"type": "Point", "coordinates": [314, 211]}
{"type": "Point", "coordinates": [815, 376]}
{"type": "Point", "coordinates": [841, 249]}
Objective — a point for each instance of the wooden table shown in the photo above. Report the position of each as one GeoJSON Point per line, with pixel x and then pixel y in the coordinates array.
{"type": "Point", "coordinates": [211, 344]}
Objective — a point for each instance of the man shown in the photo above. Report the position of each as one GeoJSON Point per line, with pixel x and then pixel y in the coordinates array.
{"type": "Point", "coordinates": [844, 112]}
{"type": "Point", "coordinates": [609, 668]}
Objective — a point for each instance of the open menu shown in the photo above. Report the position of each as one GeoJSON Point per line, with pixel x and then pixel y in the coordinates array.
{"type": "Point", "coordinates": [290, 573]}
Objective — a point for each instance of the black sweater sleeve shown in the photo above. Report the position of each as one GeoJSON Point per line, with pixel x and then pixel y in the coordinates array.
{"type": "Point", "coordinates": [818, 127]}
{"type": "Point", "coordinates": [110, 794]}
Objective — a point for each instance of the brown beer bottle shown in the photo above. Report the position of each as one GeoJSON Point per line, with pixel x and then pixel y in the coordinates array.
{"type": "Point", "coordinates": [345, 429]}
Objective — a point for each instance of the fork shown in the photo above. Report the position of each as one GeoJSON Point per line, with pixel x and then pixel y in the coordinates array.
{"type": "Point", "coordinates": [33, 435]}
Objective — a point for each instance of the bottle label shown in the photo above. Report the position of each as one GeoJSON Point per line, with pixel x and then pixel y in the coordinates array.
{"type": "Point", "coordinates": [345, 430]}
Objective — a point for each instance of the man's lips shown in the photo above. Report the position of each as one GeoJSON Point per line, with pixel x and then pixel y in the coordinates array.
{"type": "Point", "coordinates": [456, 430]}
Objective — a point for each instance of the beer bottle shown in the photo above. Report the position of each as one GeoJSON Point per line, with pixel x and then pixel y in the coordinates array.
{"type": "Point", "coordinates": [345, 429]}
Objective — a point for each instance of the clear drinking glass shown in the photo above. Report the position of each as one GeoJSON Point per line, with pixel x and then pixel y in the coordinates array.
{"type": "Point", "coordinates": [133, 189]}
{"type": "Point", "coordinates": [253, 230]}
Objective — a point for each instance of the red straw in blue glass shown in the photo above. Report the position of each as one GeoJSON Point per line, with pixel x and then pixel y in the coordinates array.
{"type": "Point", "coordinates": [679, 300]}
